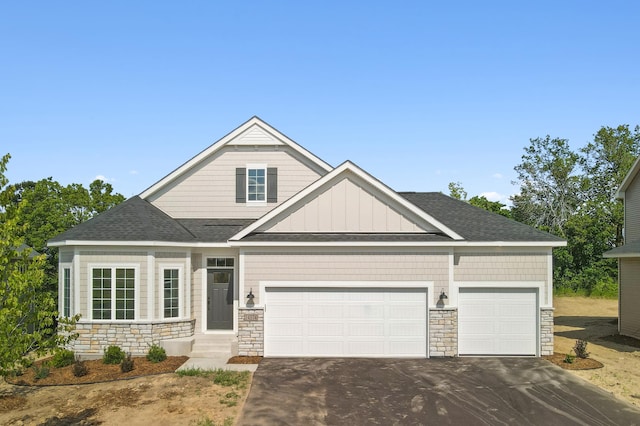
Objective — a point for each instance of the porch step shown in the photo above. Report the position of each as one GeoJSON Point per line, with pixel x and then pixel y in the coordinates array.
{"type": "Point", "coordinates": [214, 346]}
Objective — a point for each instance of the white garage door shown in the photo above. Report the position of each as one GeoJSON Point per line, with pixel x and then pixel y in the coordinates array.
{"type": "Point", "coordinates": [345, 322]}
{"type": "Point", "coordinates": [493, 321]}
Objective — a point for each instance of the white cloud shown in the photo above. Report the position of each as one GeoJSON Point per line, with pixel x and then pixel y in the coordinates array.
{"type": "Point", "coordinates": [133, 172]}
{"type": "Point", "coordinates": [104, 178]}
{"type": "Point", "coordinates": [497, 176]}
{"type": "Point", "coordinates": [495, 196]}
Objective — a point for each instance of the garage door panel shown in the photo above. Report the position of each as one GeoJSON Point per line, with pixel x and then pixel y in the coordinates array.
{"type": "Point", "coordinates": [497, 321]}
{"type": "Point", "coordinates": [347, 322]}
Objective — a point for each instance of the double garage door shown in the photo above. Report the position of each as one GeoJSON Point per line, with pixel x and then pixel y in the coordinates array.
{"type": "Point", "coordinates": [346, 322]}
{"type": "Point", "coordinates": [392, 322]}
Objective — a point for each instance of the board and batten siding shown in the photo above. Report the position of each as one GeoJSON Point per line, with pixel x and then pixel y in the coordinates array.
{"type": "Point", "coordinates": [632, 210]}
{"type": "Point", "coordinates": [345, 207]}
{"type": "Point", "coordinates": [208, 190]}
{"type": "Point", "coordinates": [629, 297]}
{"type": "Point", "coordinates": [354, 266]}
{"type": "Point", "coordinates": [112, 259]}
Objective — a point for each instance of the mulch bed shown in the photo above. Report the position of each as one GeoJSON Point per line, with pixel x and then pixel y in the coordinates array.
{"type": "Point", "coordinates": [245, 360]}
{"type": "Point", "coordinates": [577, 364]}
{"type": "Point", "coordinates": [97, 372]}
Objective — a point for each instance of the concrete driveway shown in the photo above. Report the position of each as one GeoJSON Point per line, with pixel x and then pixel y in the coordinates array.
{"type": "Point", "coordinates": [454, 391]}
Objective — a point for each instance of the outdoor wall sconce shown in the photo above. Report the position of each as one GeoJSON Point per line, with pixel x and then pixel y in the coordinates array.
{"type": "Point", "coordinates": [250, 296]}
{"type": "Point", "coordinates": [443, 295]}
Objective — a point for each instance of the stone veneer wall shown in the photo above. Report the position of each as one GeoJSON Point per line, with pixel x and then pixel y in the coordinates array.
{"type": "Point", "coordinates": [443, 332]}
{"type": "Point", "coordinates": [251, 331]}
{"type": "Point", "coordinates": [134, 337]}
{"type": "Point", "coordinates": [546, 331]}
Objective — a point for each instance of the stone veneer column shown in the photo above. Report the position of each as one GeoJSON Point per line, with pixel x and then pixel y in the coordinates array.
{"type": "Point", "coordinates": [251, 331]}
{"type": "Point", "coordinates": [546, 331]}
{"type": "Point", "coordinates": [443, 332]}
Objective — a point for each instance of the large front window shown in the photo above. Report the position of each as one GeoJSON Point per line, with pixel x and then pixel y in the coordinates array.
{"type": "Point", "coordinates": [113, 293]}
{"type": "Point", "coordinates": [256, 185]}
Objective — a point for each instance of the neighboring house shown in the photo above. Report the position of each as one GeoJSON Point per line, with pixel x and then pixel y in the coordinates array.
{"type": "Point", "coordinates": [629, 256]}
{"type": "Point", "coordinates": [256, 246]}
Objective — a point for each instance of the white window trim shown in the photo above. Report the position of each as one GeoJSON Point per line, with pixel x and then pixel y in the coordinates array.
{"type": "Point", "coordinates": [181, 300]}
{"type": "Point", "coordinates": [136, 288]}
{"type": "Point", "coordinates": [256, 167]}
{"type": "Point", "coordinates": [61, 305]}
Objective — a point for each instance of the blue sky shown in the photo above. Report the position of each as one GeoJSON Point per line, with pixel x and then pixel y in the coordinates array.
{"type": "Point", "coordinates": [419, 94]}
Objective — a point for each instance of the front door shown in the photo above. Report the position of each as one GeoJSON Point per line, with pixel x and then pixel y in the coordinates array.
{"type": "Point", "coordinates": [220, 299]}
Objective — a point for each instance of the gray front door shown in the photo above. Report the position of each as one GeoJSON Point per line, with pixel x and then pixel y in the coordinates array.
{"type": "Point", "coordinates": [220, 299]}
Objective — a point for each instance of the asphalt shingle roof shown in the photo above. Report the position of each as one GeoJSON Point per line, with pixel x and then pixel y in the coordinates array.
{"type": "Point", "coordinates": [631, 248]}
{"type": "Point", "coordinates": [138, 220]}
{"type": "Point", "coordinates": [473, 223]}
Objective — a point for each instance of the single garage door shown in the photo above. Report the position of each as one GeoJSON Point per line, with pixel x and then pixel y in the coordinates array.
{"type": "Point", "coordinates": [346, 322]}
{"type": "Point", "coordinates": [496, 321]}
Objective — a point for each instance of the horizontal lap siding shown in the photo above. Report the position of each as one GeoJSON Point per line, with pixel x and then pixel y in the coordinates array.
{"type": "Point", "coordinates": [209, 191]}
{"type": "Point", "coordinates": [630, 297]}
{"type": "Point", "coordinates": [632, 211]}
{"type": "Point", "coordinates": [360, 266]}
{"type": "Point", "coordinates": [532, 267]}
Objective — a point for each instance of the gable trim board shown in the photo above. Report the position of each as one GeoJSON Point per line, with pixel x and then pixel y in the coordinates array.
{"type": "Point", "coordinates": [347, 167]}
{"type": "Point", "coordinates": [399, 250]}
{"type": "Point", "coordinates": [280, 139]}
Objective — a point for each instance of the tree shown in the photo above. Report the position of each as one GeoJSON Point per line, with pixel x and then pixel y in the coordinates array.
{"type": "Point", "coordinates": [27, 313]}
{"type": "Point", "coordinates": [457, 191]}
{"type": "Point", "coordinates": [492, 206]}
{"type": "Point", "coordinates": [550, 186]}
{"type": "Point", "coordinates": [48, 208]}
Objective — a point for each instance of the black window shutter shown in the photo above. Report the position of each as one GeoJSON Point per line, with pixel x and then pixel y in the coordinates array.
{"type": "Point", "coordinates": [241, 185]}
{"type": "Point", "coordinates": [272, 185]}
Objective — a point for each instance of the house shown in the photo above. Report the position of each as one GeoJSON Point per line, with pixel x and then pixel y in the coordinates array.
{"type": "Point", "coordinates": [629, 255]}
{"type": "Point", "coordinates": [256, 246]}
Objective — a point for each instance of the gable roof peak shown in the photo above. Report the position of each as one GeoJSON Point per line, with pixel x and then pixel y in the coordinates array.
{"type": "Point", "coordinates": [279, 138]}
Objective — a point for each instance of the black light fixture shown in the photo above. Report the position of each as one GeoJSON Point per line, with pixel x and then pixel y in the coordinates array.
{"type": "Point", "coordinates": [250, 296]}
{"type": "Point", "coordinates": [443, 295]}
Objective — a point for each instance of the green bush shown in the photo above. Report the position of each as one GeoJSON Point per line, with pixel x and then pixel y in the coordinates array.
{"type": "Point", "coordinates": [79, 368]}
{"type": "Point", "coordinates": [568, 359]}
{"type": "Point", "coordinates": [127, 364]}
{"type": "Point", "coordinates": [41, 371]}
{"type": "Point", "coordinates": [113, 355]}
{"type": "Point", "coordinates": [62, 358]}
{"type": "Point", "coordinates": [156, 354]}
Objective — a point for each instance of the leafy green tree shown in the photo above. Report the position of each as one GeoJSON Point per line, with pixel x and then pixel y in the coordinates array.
{"type": "Point", "coordinates": [492, 206]}
{"type": "Point", "coordinates": [48, 208]}
{"type": "Point", "coordinates": [457, 191]}
{"type": "Point", "coordinates": [550, 185]}
{"type": "Point", "coordinates": [27, 313]}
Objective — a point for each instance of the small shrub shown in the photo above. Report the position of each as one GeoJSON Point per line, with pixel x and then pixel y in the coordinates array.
{"type": "Point", "coordinates": [156, 354]}
{"type": "Point", "coordinates": [113, 355]}
{"type": "Point", "coordinates": [127, 364]}
{"type": "Point", "coordinates": [41, 371]}
{"type": "Point", "coordinates": [79, 368]}
{"type": "Point", "coordinates": [580, 349]}
{"type": "Point", "coordinates": [568, 359]}
{"type": "Point", "coordinates": [62, 358]}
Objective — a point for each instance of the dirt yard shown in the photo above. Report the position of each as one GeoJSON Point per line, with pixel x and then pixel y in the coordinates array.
{"type": "Point", "coordinates": [165, 399]}
{"type": "Point", "coordinates": [593, 320]}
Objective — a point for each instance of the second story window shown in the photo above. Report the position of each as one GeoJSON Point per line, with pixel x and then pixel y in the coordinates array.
{"type": "Point", "coordinates": [256, 184]}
